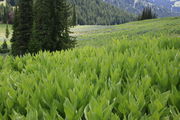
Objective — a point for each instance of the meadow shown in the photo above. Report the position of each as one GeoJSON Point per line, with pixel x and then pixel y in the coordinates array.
{"type": "Point", "coordinates": [104, 35]}
{"type": "Point", "coordinates": [122, 72]}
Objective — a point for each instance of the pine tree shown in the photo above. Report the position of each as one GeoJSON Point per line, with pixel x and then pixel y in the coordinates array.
{"type": "Point", "coordinates": [7, 31]}
{"type": "Point", "coordinates": [24, 27]}
{"type": "Point", "coordinates": [63, 23]}
{"type": "Point", "coordinates": [41, 27]}
{"type": "Point", "coordinates": [14, 39]}
{"type": "Point", "coordinates": [70, 41]}
{"type": "Point", "coordinates": [147, 13]}
{"type": "Point", "coordinates": [5, 14]}
{"type": "Point", "coordinates": [51, 26]}
{"type": "Point", "coordinates": [74, 18]}
{"type": "Point", "coordinates": [60, 25]}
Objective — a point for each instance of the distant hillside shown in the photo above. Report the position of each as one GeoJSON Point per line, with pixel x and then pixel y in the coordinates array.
{"type": "Point", "coordinates": [163, 8]}
{"type": "Point", "coordinates": [97, 12]}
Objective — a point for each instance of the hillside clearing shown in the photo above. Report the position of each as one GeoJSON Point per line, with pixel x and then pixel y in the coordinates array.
{"type": "Point", "coordinates": [103, 35]}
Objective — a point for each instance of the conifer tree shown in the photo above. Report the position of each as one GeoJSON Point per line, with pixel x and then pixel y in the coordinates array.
{"type": "Point", "coordinates": [65, 41]}
{"type": "Point", "coordinates": [24, 27]}
{"type": "Point", "coordinates": [7, 31]}
{"type": "Point", "coordinates": [5, 14]}
{"type": "Point", "coordinates": [70, 42]}
{"type": "Point", "coordinates": [51, 26]}
{"type": "Point", "coordinates": [74, 18]}
{"type": "Point", "coordinates": [14, 39]}
{"type": "Point", "coordinates": [60, 25]}
{"type": "Point", "coordinates": [147, 13]}
{"type": "Point", "coordinates": [41, 26]}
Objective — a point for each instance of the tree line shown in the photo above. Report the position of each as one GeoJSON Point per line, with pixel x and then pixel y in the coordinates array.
{"type": "Point", "coordinates": [97, 12]}
{"type": "Point", "coordinates": [147, 13]}
{"type": "Point", "coordinates": [6, 14]}
{"type": "Point", "coordinates": [41, 25]}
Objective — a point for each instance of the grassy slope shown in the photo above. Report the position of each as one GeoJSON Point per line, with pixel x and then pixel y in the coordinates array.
{"type": "Point", "coordinates": [136, 77]}
{"type": "Point", "coordinates": [102, 35]}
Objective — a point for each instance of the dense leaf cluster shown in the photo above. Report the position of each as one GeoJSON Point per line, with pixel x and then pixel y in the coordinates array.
{"type": "Point", "coordinates": [129, 80]}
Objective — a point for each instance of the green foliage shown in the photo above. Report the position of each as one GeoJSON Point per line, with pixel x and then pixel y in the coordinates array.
{"type": "Point", "coordinates": [133, 76]}
{"type": "Point", "coordinates": [41, 32]}
{"type": "Point", "coordinates": [74, 16]}
{"type": "Point", "coordinates": [22, 27]}
{"type": "Point", "coordinates": [51, 34]}
{"type": "Point", "coordinates": [128, 80]}
{"type": "Point", "coordinates": [14, 39]}
{"type": "Point", "coordinates": [34, 31]}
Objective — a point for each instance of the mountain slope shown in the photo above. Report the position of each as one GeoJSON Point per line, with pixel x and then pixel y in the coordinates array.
{"type": "Point", "coordinates": [171, 5]}
{"type": "Point", "coordinates": [98, 12]}
{"type": "Point", "coordinates": [163, 8]}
